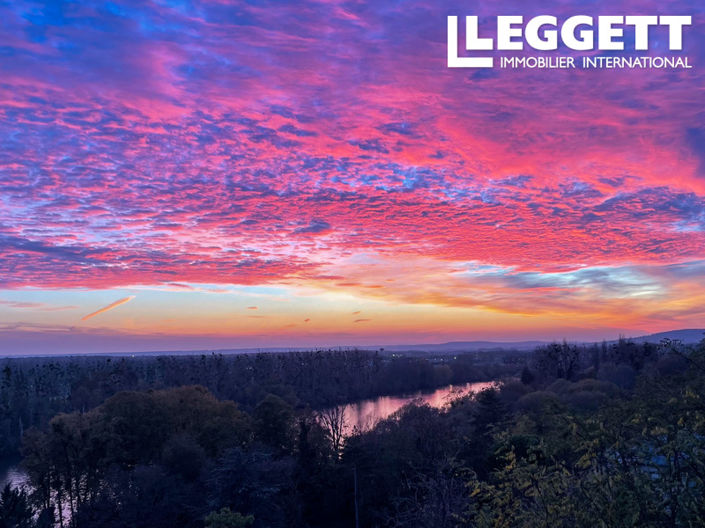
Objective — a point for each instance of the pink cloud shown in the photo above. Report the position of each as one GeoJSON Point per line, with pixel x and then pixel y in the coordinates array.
{"type": "Point", "coordinates": [271, 146]}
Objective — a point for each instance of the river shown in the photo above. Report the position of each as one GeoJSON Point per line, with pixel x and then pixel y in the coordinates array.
{"type": "Point", "coordinates": [365, 414]}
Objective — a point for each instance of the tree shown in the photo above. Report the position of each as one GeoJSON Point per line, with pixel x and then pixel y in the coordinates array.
{"type": "Point", "coordinates": [558, 360]}
{"type": "Point", "coordinates": [334, 423]}
{"type": "Point", "coordinates": [527, 377]}
{"type": "Point", "coordinates": [254, 481]}
{"type": "Point", "coordinates": [15, 511]}
{"type": "Point", "coordinates": [82, 464]}
{"type": "Point", "coordinates": [224, 518]}
{"type": "Point", "coordinates": [274, 422]}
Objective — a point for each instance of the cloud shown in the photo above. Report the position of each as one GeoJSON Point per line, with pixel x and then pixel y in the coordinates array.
{"type": "Point", "coordinates": [22, 305]}
{"type": "Point", "coordinates": [217, 160]}
{"type": "Point", "coordinates": [314, 227]}
{"type": "Point", "coordinates": [108, 307]}
{"type": "Point", "coordinates": [696, 139]}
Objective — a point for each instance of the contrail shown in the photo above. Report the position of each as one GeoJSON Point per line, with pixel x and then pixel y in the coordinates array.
{"type": "Point", "coordinates": [109, 307]}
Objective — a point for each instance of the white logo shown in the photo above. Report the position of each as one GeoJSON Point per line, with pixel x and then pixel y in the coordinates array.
{"type": "Point", "coordinates": [542, 33]}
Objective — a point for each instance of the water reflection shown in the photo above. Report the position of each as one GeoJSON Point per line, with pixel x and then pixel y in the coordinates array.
{"type": "Point", "coordinates": [366, 413]}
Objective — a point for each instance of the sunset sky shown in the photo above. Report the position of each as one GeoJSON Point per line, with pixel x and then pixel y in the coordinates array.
{"type": "Point", "coordinates": [192, 175]}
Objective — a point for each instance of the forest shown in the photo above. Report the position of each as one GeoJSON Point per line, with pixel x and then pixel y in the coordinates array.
{"type": "Point", "coordinates": [608, 435]}
{"type": "Point", "coordinates": [33, 390]}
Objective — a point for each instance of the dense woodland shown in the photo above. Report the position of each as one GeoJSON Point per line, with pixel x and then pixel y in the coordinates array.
{"type": "Point", "coordinates": [606, 435]}
{"type": "Point", "coordinates": [33, 390]}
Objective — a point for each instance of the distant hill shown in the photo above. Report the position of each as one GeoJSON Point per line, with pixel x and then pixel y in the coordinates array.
{"type": "Point", "coordinates": [687, 336]}
{"type": "Point", "coordinates": [467, 346]}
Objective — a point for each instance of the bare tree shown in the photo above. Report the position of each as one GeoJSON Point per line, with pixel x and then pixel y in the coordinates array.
{"type": "Point", "coordinates": [334, 422]}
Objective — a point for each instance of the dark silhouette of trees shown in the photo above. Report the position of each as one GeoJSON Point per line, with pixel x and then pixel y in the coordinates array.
{"type": "Point", "coordinates": [607, 435]}
{"type": "Point", "coordinates": [558, 360]}
{"type": "Point", "coordinates": [34, 390]}
{"type": "Point", "coordinates": [333, 422]}
{"type": "Point", "coordinates": [15, 509]}
{"type": "Point", "coordinates": [273, 423]}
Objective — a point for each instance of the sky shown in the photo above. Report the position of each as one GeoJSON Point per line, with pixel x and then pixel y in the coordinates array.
{"type": "Point", "coordinates": [194, 175]}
